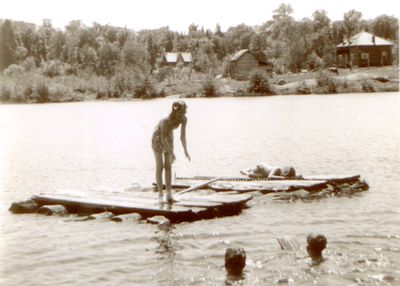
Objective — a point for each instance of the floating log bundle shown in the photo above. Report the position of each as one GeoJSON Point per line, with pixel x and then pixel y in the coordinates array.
{"type": "Point", "coordinates": [144, 201]}
{"type": "Point", "coordinates": [202, 198]}
{"type": "Point", "coordinates": [310, 185]}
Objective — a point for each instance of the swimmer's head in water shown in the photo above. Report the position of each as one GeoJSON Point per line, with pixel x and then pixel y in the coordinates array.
{"type": "Point", "coordinates": [316, 243]}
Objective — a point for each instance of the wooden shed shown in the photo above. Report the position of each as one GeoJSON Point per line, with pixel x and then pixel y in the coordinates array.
{"type": "Point", "coordinates": [364, 50]}
{"type": "Point", "coordinates": [244, 61]}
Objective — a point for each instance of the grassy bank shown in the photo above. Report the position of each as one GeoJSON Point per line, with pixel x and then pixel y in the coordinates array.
{"type": "Point", "coordinates": [376, 79]}
{"type": "Point", "coordinates": [21, 86]}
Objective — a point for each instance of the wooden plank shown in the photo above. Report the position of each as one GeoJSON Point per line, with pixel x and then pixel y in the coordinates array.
{"type": "Point", "coordinates": [145, 197]}
{"type": "Point", "coordinates": [141, 201]}
{"type": "Point", "coordinates": [244, 184]}
{"type": "Point", "coordinates": [109, 203]}
{"type": "Point", "coordinates": [334, 178]}
{"type": "Point", "coordinates": [198, 186]}
{"type": "Point", "coordinates": [263, 185]}
{"type": "Point", "coordinates": [221, 198]}
{"type": "Point", "coordinates": [186, 181]}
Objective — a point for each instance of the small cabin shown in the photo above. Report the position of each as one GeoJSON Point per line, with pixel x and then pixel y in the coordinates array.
{"type": "Point", "coordinates": [244, 61]}
{"type": "Point", "coordinates": [365, 50]}
{"type": "Point", "coordinates": [173, 59]}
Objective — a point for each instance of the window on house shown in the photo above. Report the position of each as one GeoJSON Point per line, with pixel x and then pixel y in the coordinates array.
{"type": "Point", "coordinates": [365, 56]}
{"type": "Point", "coordinates": [340, 58]}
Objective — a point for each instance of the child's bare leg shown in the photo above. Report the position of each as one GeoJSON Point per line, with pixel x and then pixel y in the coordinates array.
{"type": "Point", "coordinates": [168, 178]}
{"type": "Point", "coordinates": [159, 169]}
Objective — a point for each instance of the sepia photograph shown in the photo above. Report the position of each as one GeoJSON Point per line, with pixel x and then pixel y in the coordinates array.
{"type": "Point", "coordinates": [199, 143]}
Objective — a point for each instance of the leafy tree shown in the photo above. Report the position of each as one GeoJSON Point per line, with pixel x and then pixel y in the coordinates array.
{"type": "Point", "coordinates": [219, 46]}
{"type": "Point", "coordinates": [108, 57]}
{"type": "Point", "coordinates": [238, 37]}
{"type": "Point", "coordinates": [386, 27]}
{"type": "Point", "coordinates": [72, 44]}
{"type": "Point", "coordinates": [259, 82]}
{"type": "Point", "coordinates": [283, 28]}
{"type": "Point", "coordinates": [152, 50]}
{"type": "Point", "coordinates": [352, 22]}
{"type": "Point", "coordinates": [135, 55]}
{"type": "Point", "coordinates": [218, 31]}
{"type": "Point", "coordinates": [57, 46]}
{"type": "Point", "coordinates": [338, 32]}
{"type": "Point", "coordinates": [321, 37]}
{"type": "Point", "coordinates": [7, 45]}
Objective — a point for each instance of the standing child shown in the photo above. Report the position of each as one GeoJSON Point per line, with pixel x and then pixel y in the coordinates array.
{"type": "Point", "coordinates": [163, 146]}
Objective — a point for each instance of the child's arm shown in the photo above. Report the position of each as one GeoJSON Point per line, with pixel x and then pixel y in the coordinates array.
{"type": "Point", "coordinates": [183, 138]}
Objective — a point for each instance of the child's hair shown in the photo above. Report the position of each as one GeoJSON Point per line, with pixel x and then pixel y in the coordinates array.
{"type": "Point", "coordinates": [179, 106]}
{"type": "Point", "coordinates": [178, 111]}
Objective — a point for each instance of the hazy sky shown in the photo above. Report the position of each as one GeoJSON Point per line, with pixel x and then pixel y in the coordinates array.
{"type": "Point", "coordinates": [179, 14]}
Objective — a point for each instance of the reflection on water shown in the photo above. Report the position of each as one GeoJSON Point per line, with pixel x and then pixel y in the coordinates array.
{"type": "Point", "coordinates": [107, 144]}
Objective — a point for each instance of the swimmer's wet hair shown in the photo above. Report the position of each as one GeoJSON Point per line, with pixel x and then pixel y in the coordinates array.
{"type": "Point", "coordinates": [316, 242]}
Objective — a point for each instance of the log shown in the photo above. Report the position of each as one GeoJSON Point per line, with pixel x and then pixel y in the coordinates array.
{"type": "Point", "coordinates": [103, 215]}
{"type": "Point", "coordinates": [127, 217]}
{"type": "Point", "coordinates": [23, 207]}
{"type": "Point", "coordinates": [52, 210]}
{"type": "Point", "coordinates": [160, 220]}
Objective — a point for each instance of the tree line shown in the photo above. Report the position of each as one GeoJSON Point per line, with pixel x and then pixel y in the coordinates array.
{"type": "Point", "coordinates": [123, 55]}
{"type": "Point", "coordinates": [104, 49]}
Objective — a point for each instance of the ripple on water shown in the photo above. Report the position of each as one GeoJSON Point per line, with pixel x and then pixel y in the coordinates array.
{"type": "Point", "coordinates": [107, 144]}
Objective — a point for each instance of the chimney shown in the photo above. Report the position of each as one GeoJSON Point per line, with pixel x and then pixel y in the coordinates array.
{"type": "Point", "coordinates": [373, 39]}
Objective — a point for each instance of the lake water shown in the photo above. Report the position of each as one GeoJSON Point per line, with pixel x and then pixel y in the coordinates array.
{"type": "Point", "coordinates": [107, 144]}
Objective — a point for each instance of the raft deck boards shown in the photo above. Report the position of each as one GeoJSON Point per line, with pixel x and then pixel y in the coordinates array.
{"type": "Point", "coordinates": [244, 184]}
{"type": "Point", "coordinates": [191, 206]}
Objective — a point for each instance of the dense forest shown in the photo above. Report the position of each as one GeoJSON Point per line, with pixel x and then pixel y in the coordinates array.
{"type": "Point", "coordinates": [38, 62]}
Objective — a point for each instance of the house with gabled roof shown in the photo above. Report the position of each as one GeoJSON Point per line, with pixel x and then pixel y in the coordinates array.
{"type": "Point", "coordinates": [244, 61]}
{"type": "Point", "coordinates": [172, 58]}
{"type": "Point", "coordinates": [363, 50]}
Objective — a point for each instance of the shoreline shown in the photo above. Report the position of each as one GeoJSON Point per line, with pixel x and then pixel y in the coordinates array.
{"type": "Point", "coordinates": [345, 81]}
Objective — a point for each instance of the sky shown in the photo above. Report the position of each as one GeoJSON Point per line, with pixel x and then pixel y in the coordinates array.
{"type": "Point", "coordinates": [178, 15]}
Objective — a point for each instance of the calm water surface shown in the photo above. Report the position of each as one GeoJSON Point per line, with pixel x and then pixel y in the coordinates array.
{"type": "Point", "coordinates": [107, 144]}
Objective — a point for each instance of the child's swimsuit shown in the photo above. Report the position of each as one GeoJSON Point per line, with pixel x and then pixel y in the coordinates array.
{"type": "Point", "coordinates": [156, 142]}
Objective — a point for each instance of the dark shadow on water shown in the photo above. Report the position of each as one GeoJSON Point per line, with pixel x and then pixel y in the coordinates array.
{"type": "Point", "coordinates": [166, 246]}
{"type": "Point", "coordinates": [165, 253]}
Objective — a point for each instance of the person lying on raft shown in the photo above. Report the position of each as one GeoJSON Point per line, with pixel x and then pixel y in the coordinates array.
{"type": "Point", "coordinates": [265, 171]}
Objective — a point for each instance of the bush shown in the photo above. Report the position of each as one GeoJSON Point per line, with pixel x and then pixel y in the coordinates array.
{"type": "Point", "coordinates": [259, 82]}
{"type": "Point", "coordinates": [5, 93]}
{"type": "Point", "coordinates": [326, 83]}
{"type": "Point", "coordinates": [14, 70]}
{"type": "Point", "coordinates": [100, 86]}
{"type": "Point", "coordinates": [209, 87]}
{"type": "Point", "coordinates": [29, 64]}
{"type": "Point", "coordinates": [303, 88]}
{"type": "Point", "coordinates": [146, 89]}
{"type": "Point", "coordinates": [367, 86]}
{"type": "Point", "coordinates": [60, 93]}
{"type": "Point", "coordinates": [123, 82]}
{"type": "Point", "coordinates": [41, 92]}
{"type": "Point", "coordinates": [52, 68]}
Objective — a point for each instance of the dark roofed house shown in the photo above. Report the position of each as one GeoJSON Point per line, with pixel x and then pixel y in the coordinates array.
{"type": "Point", "coordinates": [364, 50]}
{"type": "Point", "coordinates": [244, 61]}
{"type": "Point", "coordinates": [173, 59]}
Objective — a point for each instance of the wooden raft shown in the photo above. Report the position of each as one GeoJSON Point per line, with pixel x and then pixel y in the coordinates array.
{"type": "Point", "coordinates": [244, 184]}
{"type": "Point", "coordinates": [190, 207]}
